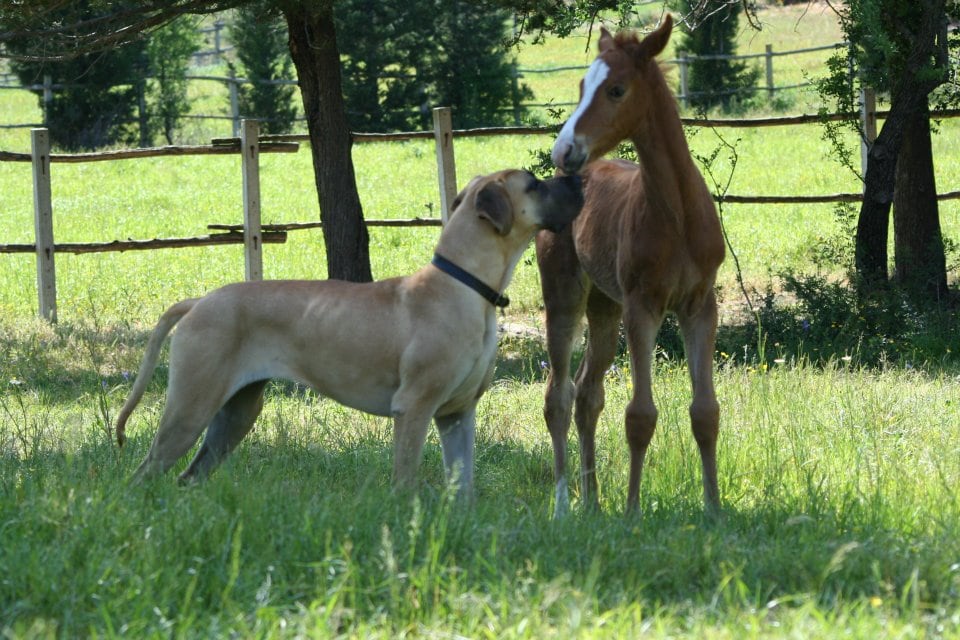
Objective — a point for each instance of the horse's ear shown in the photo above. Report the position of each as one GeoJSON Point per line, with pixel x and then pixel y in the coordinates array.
{"type": "Point", "coordinates": [493, 204]}
{"type": "Point", "coordinates": [606, 40]}
{"type": "Point", "coordinates": [655, 42]}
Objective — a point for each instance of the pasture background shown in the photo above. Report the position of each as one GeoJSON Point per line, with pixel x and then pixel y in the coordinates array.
{"type": "Point", "coordinates": [842, 514]}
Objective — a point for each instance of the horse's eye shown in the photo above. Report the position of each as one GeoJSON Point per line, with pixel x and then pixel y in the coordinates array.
{"type": "Point", "coordinates": [616, 91]}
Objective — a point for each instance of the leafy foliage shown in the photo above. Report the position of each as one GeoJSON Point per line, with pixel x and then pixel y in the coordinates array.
{"type": "Point", "coordinates": [469, 70]}
{"type": "Point", "coordinates": [94, 98]}
{"type": "Point", "coordinates": [169, 50]}
{"type": "Point", "coordinates": [386, 48]}
{"type": "Point", "coordinates": [102, 99]}
{"type": "Point", "coordinates": [260, 38]}
{"type": "Point", "coordinates": [402, 59]}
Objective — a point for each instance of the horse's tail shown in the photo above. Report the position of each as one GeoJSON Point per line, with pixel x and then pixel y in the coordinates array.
{"type": "Point", "coordinates": [167, 321]}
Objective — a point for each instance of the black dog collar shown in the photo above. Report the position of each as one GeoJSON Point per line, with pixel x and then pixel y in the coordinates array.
{"type": "Point", "coordinates": [470, 280]}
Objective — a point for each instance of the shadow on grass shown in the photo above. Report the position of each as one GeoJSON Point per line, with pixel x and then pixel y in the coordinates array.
{"type": "Point", "coordinates": [930, 342]}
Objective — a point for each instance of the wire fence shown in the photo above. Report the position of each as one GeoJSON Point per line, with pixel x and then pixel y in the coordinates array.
{"type": "Point", "coordinates": [233, 83]}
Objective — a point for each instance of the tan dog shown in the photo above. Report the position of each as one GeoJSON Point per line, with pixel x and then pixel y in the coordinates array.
{"type": "Point", "coordinates": [415, 348]}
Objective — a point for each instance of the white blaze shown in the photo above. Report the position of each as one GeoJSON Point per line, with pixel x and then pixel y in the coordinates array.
{"type": "Point", "coordinates": [596, 74]}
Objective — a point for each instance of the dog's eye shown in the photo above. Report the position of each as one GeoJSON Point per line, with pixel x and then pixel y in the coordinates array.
{"type": "Point", "coordinates": [616, 92]}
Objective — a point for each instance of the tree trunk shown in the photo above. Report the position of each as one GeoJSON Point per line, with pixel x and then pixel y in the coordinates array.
{"type": "Point", "coordinates": [873, 225]}
{"type": "Point", "coordinates": [313, 47]}
{"type": "Point", "coordinates": [918, 244]}
{"type": "Point", "coordinates": [908, 99]}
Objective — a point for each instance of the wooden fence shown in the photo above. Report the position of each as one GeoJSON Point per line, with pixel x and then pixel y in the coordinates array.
{"type": "Point", "coordinates": [252, 234]}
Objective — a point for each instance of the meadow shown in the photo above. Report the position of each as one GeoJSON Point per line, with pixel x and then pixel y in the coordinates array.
{"type": "Point", "coordinates": [841, 511]}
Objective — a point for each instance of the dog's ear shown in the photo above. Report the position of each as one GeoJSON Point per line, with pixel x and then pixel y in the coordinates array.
{"type": "Point", "coordinates": [493, 204]}
{"type": "Point", "coordinates": [460, 196]}
{"type": "Point", "coordinates": [457, 201]}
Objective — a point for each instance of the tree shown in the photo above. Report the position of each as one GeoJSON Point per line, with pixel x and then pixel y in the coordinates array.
{"type": "Point", "coordinates": [401, 58]}
{"type": "Point", "coordinates": [469, 71]}
{"type": "Point", "coordinates": [387, 51]}
{"type": "Point", "coordinates": [100, 95]}
{"type": "Point", "coordinates": [96, 96]}
{"type": "Point", "coordinates": [169, 50]}
{"type": "Point", "coordinates": [899, 47]}
{"type": "Point", "coordinates": [313, 46]}
{"type": "Point", "coordinates": [710, 30]}
{"type": "Point", "coordinates": [259, 36]}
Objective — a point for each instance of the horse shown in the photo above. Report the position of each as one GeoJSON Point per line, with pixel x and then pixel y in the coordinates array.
{"type": "Point", "coordinates": [647, 242]}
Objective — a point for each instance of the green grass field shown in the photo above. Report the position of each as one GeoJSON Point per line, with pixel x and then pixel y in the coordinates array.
{"type": "Point", "coordinates": [841, 518]}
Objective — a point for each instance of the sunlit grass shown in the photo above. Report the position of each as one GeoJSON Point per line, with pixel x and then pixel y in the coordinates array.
{"type": "Point", "coordinates": [841, 508]}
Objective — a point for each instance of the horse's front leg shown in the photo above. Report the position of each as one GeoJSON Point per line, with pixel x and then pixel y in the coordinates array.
{"type": "Point", "coordinates": [641, 327]}
{"type": "Point", "coordinates": [699, 340]}
{"type": "Point", "coordinates": [565, 288]}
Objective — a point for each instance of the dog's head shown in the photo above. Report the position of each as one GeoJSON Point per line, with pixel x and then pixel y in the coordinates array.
{"type": "Point", "coordinates": [516, 200]}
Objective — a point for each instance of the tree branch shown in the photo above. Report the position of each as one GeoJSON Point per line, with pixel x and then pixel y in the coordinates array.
{"type": "Point", "coordinates": [40, 38]}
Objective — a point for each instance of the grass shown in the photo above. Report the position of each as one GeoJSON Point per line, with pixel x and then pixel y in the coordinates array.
{"type": "Point", "coordinates": [840, 481]}
{"type": "Point", "coordinates": [841, 517]}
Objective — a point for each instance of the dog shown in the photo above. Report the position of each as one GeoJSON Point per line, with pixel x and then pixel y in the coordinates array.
{"type": "Point", "coordinates": [414, 348]}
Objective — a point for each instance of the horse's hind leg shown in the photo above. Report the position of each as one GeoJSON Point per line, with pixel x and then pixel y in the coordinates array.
{"type": "Point", "coordinates": [231, 424]}
{"type": "Point", "coordinates": [564, 295]}
{"type": "Point", "coordinates": [603, 328]}
{"type": "Point", "coordinates": [699, 339]}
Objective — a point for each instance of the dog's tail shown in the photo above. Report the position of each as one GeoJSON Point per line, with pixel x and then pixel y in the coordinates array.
{"type": "Point", "coordinates": [170, 317]}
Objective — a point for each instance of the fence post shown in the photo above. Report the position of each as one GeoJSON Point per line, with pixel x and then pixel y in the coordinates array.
{"type": "Point", "coordinates": [683, 61]}
{"type": "Point", "coordinates": [43, 223]}
{"type": "Point", "coordinates": [868, 124]}
{"type": "Point", "coordinates": [769, 61]}
{"type": "Point", "coordinates": [252, 236]}
{"type": "Point", "coordinates": [234, 102]}
{"type": "Point", "coordinates": [446, 166]}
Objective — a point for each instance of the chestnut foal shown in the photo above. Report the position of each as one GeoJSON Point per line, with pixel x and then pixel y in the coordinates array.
{"type": "Point", "coordinates": [648, 241]}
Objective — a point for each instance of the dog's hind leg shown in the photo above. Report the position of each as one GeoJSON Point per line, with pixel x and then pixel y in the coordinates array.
{"type": "Point", "coordinates": [231, 424]}
{"type": "Point", "coordinates": [457, 433]}
{"type": "Point", "coordinates": [194, 396]}
{"type": "Point", "coordinates": [179, 429]}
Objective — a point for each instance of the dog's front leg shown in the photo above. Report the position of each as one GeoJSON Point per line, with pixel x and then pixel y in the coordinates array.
{"type": "Point", "coordinates": [409, 435]}
{"type": "Point", "coordinates": [457, 434]}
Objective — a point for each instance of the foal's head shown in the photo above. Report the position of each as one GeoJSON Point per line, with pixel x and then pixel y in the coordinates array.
{"type": "Point", "coordinates": [615, 97]}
